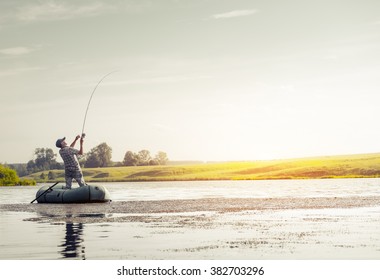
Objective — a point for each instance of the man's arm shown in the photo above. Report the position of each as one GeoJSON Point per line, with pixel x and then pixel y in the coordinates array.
{"type": "Point", "coordinates": [73, 144]}
{"type": "Point", "coordinates": [81, 146]}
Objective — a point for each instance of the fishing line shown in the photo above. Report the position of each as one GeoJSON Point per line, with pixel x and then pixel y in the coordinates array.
{"type": "Point", "coordinates": [89, 101]}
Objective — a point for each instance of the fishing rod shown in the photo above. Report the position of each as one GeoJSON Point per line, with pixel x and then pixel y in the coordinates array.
{"type": "Point", "coordinates": [89, 101]}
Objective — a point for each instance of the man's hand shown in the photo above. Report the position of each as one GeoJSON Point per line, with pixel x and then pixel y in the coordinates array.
{"type": "Point", "coordinates": [73, 144]}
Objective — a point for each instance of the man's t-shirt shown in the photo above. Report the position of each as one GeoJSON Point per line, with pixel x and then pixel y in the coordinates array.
{"type": "Point", "coordinates": [69, 156]}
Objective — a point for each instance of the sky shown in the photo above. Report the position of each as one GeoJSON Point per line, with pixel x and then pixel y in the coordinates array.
{"type": "Point", "coordinates": [210, 80]}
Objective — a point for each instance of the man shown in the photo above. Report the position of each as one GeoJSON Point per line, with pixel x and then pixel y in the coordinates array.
{"type": "Point", "coordinates": [70, 159]}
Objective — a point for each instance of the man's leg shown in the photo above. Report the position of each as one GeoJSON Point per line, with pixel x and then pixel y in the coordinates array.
{"type": "Point", "coordinates": [79, 178]}
{"type": "Point", "coordinates": [68, 178]}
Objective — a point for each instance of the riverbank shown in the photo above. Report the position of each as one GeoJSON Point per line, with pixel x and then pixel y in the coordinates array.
{"type": "Point", "coordinates": [349, 166]}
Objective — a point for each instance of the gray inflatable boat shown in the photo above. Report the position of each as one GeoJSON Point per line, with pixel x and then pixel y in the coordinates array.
{"type": "Point", "coordinates": [85, 194]}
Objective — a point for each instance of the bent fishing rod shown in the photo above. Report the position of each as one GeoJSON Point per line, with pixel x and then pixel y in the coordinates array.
{"type": "Point", "coordinates": [89, 101]}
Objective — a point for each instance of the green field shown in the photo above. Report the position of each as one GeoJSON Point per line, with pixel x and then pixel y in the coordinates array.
{"type": "Point", "coordinates": [352, 166]}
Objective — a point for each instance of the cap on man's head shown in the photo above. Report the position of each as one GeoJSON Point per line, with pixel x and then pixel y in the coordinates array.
{"type": "Point", "coordinates": [59, 142]}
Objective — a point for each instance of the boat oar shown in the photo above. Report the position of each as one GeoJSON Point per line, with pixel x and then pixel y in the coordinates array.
{"type": "Point", "coordinates": [44, 192]}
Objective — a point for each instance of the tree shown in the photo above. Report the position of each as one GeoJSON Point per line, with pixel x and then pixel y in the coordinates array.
{"type": "Point", "coordinates": [51, 175]}
{"type": "Point", "coordinates": [130, 159]}
{"type": "Point", "coordinates": [143, 157]}
{"type": "Point", "coordinates": [161, 158]}
{"type": "Point", "coordinates": [92, 160]}
{"type": "Point", "coordinates": [21, 168]}
{"type": "Point", "coordinates": [8, 177]}
{"type": "Point", "coordinates": [100, 156]}
{"type": "Point", "coordinates": [45, 159]}
{"type": "Point", "coordinates": [31, 166]}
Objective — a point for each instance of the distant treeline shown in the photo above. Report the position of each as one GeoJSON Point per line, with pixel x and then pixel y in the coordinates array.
{"type": "Point", "coordinates": [100, 156]}
{"type": "Point", "coordinates": [333, 167]}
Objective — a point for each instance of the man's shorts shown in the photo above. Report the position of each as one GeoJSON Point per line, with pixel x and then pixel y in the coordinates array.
{"type": "Point", "coordinates": [77, 175]}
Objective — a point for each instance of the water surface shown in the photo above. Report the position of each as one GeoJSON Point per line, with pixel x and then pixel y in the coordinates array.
{"type": "Point", "coordinates": [334, 233]}
{"type": "Point", "coordinates": [132, 191]}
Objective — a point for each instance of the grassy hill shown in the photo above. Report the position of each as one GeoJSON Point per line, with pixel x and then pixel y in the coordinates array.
{"type": "Point", "coordinates": [351, 166]}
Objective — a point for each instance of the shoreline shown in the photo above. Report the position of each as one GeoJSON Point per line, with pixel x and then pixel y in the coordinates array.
{"type": "Point", "coordinates": [225, 178]}
{"type": "Point", "coordinates": [150, 180]}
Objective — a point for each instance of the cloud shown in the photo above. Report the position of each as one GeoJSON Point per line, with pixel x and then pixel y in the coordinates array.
{"type": "Point", "coordinates": [17, 71]}
{"type": "Point", "coordinates": [233, 14]}
{"type": "Point", "coordinates": [32, 11]}
{"type": "Point", "coordinates": [14, 51]}
{"type": "Point", "coordinates": [53, 11]}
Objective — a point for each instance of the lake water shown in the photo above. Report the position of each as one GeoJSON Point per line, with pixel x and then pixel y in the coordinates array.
{"type": "Point", "coordinates": [352, 233]}
{"type": "Point", "coordinates": [136, 191]}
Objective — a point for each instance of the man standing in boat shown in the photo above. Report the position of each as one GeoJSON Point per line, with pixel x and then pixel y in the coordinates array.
{"type": "Point", "coordinates": [70, 159]}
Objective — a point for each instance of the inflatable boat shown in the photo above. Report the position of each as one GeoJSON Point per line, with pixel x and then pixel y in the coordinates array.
{"type": "Point", "coordinates": [85, 194]}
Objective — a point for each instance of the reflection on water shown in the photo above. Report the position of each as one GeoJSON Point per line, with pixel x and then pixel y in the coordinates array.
{"type": "Point", "coordinates": [73, 245]}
